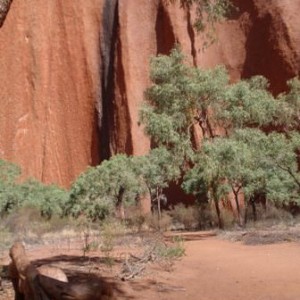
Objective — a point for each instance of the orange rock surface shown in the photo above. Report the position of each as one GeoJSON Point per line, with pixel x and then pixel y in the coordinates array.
{"type": "Point", "coordinates": [73, 73]}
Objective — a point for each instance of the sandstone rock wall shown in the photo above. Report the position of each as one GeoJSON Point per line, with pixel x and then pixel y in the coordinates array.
{"type": "Point", "coordinates": [49, 84]}
{"type": "Point", "coordinates": [72, 73]}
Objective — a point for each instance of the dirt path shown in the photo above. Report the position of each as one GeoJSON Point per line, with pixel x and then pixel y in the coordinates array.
{"type": "Point", "coordinates": [215, 269]}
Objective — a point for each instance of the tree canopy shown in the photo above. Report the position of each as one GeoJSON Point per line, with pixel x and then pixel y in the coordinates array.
{"type": "Point", "coordinates": [250, 143]}
{"type": "Point", "coordinates": [15, 193]}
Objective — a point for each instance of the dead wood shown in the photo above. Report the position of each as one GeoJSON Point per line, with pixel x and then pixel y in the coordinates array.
{"type": "Point", "coordinates": [49, 283]}
{"type": "Point", "coordinates": [134, 265]}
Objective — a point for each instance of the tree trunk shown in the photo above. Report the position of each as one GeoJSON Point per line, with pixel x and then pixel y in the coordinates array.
{"type": "Point", "coordinates": [158, 204]}
{"type": "Point", "coordinates": [218, 211]}
{"type": "Point", "coordinates": [119, 205]}
{"type": "Point", "coordinates": [241, 220]}
{"type": "Point", "coordinates": [144, 203]}
{"type": "Point", "coordinates": [24, 275]}
{"type": "Point", "coordinates": [254, 212]}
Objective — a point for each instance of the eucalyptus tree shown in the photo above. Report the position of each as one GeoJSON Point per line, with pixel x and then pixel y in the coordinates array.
{"type": "Point", "coordinates": [15, 193]}
{"type": "Point", "coordinates": [50, 199]}
{"type": "Point", "coordinates": [247, 163]}
{"type": "Point", "coordinates": [99, 190]}
{"type": "Point", "coordinates": [182, 96]}
{"type": "Point", "coordinates": [179, 98]}
{"type": "Point", "coordinates": [258, 146]}
{"type": "Point", "coordinates": [156, 170]}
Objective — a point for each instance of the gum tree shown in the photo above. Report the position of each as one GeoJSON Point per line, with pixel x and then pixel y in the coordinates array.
{"type": "Point", "coordinates": [156, 170]}
{"type": "Point", "coordinates": [185, 99]}
{"type": "Point", "coordinates": [14, 193]}
{"type": "Point", "coordinates": [100, 189]}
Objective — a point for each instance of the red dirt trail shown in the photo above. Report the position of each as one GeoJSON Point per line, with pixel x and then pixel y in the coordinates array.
{"type": "Point", "coordinates": [214, 269]}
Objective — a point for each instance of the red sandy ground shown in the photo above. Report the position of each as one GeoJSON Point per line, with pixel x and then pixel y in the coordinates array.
{"type": "Point", "coordinates": [214, 269]}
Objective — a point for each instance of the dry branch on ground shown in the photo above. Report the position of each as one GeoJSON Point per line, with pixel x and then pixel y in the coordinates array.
{"type": "Point", "coordinates": [31, 283]}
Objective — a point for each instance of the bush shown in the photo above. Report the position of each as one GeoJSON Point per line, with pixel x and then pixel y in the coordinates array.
{"type": "Point", "coordinates": [188, 216]}
{"type": "Point", "coordinates": [173, 251]}
{"type": "Point", "coordinates": [95, 209]}
{"type": "Point", "coordinates": [228, 218]}
{"type": "Point", "coordinates": [48, 199]}
{"type": "Point", "coordinates": [135, 218]}
{"type": "Point", "coordinates": [168, 253]}
{"type": "Point", "coordinates": [111, 232]}
{"type": "Point", "coordinates": [159, 224]}
{"type": "Point", "coordinates": [99, 190]}
{"type": "Point", "coordinates": [270, 215]}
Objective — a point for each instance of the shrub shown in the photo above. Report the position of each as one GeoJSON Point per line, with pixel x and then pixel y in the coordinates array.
{"type": "Point", "coordinates": [188, 216]}
{"type": "Point", "coordinates": [48, 199]}
{"type": "Point", "coordinates": [172, 251]}
{"type": "Point", "coordinates": [135, 218]}
{"type": "Point", "coordinates": [99, 190]}
{"type": "Point", "coordinates": [228, 218]}
{"type": "Point", "coordinates": [157, 223]}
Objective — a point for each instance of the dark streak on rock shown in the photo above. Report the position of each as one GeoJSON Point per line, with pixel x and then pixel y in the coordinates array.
{"type": "Point", "coordinates": [110, 25]}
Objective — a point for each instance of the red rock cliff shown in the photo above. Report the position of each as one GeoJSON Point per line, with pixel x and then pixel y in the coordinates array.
{"type": "Point", "coordinates": [72, 73]}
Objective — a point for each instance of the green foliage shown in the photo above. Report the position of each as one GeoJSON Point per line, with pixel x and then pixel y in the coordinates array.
{"type": "Point", "coordinates": [209, 12]}
{"type": "Point", "coordinates": [156, 170]}
{"type": "Point", "coordinates": [167, 118]}
{"type": "Point", "coordinates": [247, 103]}
{"type": "Point", "coordinates": [120, 181]}
{"type": "Point", "coordinates": [9, 173]}
{"type": "Point", "coordinates": [174, 251]}
{"type": "Point", "coordinates": [289, 107]}
{"type": "Point", "coordinates": [187, 216]}
{"type": "Point", "coordinates": [257, 152]}
{"type": "Point", "coordinates": [49, 199]}
{"type": "Point", "coordinates": [179, 97]}
{"type": "Point", "coordinates": [247, 159]}
{"type": "Point", "coordinates": [96, 192]}
{"type": "Point", "coordinates": [250, 162]}
{"type": "Point", "coordinates": [183, 96]}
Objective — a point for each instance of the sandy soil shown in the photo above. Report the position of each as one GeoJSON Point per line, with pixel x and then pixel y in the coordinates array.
{"type": "Point", "coordinates": [215, 269]}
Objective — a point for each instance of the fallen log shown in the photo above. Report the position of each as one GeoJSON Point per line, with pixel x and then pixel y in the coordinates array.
{"type": "Point", "coordinates": [22, 273]}
{"type": "Point", "coordinates": [49, 283]}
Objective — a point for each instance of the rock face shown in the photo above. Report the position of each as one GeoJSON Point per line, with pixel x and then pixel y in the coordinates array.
{"type": "Point", "coordinates": [4, 8]}
{"type": "Point", "coordinates": [72, 73]}
{"type": "Point", "coordinates": [49, 62]}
